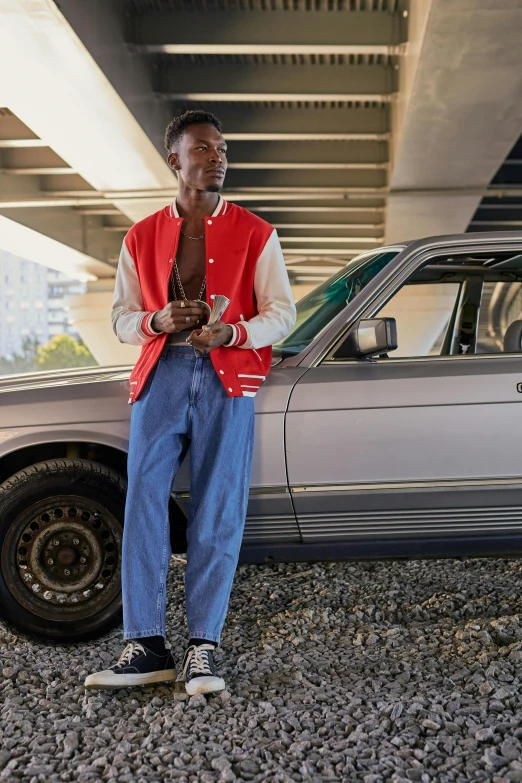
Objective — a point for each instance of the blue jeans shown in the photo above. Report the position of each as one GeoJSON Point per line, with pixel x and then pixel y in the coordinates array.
{"type": "Point", "coordinates": [184, 403]}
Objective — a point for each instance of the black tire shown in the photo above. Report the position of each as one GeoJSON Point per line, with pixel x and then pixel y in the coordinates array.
{"type": "Point", "coordinates": [61, 525]}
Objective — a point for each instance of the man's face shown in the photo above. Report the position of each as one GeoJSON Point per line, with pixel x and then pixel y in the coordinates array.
{"type": "Point", "coordinates": [200, 158]}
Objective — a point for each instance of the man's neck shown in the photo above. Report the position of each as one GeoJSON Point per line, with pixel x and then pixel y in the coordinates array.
{"type": "Point", "coordinates": [196, 203]}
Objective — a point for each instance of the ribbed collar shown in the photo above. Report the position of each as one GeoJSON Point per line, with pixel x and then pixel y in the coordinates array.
{"type": "Point", "coordinates": [172, 209]}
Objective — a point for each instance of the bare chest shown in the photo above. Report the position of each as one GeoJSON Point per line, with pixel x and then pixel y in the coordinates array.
{"type": "Point", "coordinates": [190, 261]}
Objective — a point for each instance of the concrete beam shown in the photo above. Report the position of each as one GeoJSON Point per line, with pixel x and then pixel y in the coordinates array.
{"type": "Point", "coordinates": [283, 166]}
{"type": "Point", "coordinates": [100, 25]}
{"type": "Point", "coordinates": [227, 81]}
{"type": "Point", "coordinates": [38, 171]}
{"type": "Point", "coordinates": [371, 196]}
{"type": "Point", "coordinates": [91, 129]}
{"type": "Point", "coordinates": [232, 31]}
{"type": "Point", "coordinates": [294, 121]}
{"type": "Point", "coordinates": [337, 241]}
{"type": "Point", "coordinates": [462, 115]}
{"type": "Point", "coordinates": [21, 143]}
{"type": "Point", "coordinates": [302, 153]}
{"type": "Point", "coordinates": [30, 242]}
{"type": "Point", "coordinates": [23, 201]}
{"type": "Point", "coordinates": [333, 211]}
{"type": "Point", "coordinates": [80, 232]}
{"type": "Point", "coordinates": [305, 178]}
{"type": "Point", "coordinates": [339, 229]}
{"type": "Point", "coordinates": [309, 221]}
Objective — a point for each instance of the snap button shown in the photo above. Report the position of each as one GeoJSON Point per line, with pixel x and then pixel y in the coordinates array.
{"type": "Point", "coordinates": [170, 260]}
{"type": "Point", "coordinates": [230, 389]}
{"type": "Point", "coordinates": [209, 222]}
{"type": "Point", "coordinates": [221, 372]}
{"type": "Point", "coordinates": [210, 260]}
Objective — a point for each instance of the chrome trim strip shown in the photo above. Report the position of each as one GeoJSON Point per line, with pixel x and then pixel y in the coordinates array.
{"type": "Point", "coordinates": [405, 485]}
{"type": "Point", "coordinates": [415, 359]}
{"type": "Point", "coordinates": [449, 522]}
{"type": "Point", "coordinates": [282, 490]}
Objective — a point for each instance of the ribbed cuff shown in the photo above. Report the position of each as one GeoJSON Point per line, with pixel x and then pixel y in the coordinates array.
{"type": "Point", "coordinates": [146, 327]}
{"type": "Point", "coordinates": [234, 336]}
{"type": "Point", "coordinates": [239, 337]}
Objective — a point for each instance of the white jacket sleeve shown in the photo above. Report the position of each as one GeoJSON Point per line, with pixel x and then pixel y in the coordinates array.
{"type": "Point", "coordinates": [130, 321]}
{"type": "Point", "coordinates": [275, 301]}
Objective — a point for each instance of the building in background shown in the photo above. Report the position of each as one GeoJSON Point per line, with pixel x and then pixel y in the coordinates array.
{"type": "Point", "coordinates": [32, 303]}
{"type": "Point", "coordinates": [58, 287]}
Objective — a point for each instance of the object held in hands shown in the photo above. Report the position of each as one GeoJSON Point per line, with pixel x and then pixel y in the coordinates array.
{"type": "Point", "coordinates": [218, 308]}
{"type": "Point", "coordinates": [220, 304]}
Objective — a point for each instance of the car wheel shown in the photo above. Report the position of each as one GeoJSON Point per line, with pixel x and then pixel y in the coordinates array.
{"type": "Point", "coordinates": [61, 525]}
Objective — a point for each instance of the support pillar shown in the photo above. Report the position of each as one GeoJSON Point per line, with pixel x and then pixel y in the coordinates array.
{"type": "Point", "coordinates": [91, 315]}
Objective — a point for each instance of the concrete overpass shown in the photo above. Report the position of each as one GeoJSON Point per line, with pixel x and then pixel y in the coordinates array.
{"type": "Point", "coordinates": [350, 123]}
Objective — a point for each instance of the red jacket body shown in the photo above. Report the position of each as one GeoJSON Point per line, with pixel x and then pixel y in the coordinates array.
{"type": "Point", "coordinates": [243, 261]}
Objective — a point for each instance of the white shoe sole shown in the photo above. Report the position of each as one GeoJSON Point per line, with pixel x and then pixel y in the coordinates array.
{"type": "Point", "coordinates": [205, 684]}
{"type": "Point", "coordinates": [109, 680]}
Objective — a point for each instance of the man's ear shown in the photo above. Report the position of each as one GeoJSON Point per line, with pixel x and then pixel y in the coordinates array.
{"type": "Point", "coordinates": [173, 161]}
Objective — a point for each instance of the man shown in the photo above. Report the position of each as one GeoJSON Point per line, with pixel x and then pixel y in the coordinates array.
{"type": "Point", "coordinates": [193, 384]}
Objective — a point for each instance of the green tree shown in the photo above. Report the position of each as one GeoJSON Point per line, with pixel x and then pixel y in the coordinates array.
{"type": "Point", "coordinates": [64, 351]}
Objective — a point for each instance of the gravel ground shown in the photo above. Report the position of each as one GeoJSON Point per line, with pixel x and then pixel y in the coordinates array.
{"type": "Point", "coordinates": [396, 671]}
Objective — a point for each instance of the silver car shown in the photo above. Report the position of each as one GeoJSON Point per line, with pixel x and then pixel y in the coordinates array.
{"type": "Point", "coordinates": [388, 427]}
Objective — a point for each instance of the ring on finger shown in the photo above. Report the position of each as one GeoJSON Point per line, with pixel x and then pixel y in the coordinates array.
{"type": "Point", "coordinates": [187, 319]}
{"type": "Point", "coordinates": [182, 303]}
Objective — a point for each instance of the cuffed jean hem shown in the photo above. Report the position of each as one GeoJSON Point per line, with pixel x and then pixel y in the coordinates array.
{"type": "Point", "coordinates": [141, 634]}
{"type": "Point", "coordinates": [204, 635]}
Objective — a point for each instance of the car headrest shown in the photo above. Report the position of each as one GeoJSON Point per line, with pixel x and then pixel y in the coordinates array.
{"type": "Point", "coordinates": [513, 338]}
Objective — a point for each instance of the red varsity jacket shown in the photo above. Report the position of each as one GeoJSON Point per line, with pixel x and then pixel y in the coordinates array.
{"type": "Point", "coordinates": [244, 262]}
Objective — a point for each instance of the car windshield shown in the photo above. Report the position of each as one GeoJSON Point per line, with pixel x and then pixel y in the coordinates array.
{"type": "Point", "coordinates": [323, 304]}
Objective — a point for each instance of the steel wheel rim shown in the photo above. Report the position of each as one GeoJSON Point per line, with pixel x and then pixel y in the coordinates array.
{"type": "Point", "coordinates": [63, 557]}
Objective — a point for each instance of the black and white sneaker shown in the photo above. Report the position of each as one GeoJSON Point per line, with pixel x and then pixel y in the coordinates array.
{"type": "Point", "coordinates": [136, 666]}
{"type": "Point", "coordinates": [199, 670]}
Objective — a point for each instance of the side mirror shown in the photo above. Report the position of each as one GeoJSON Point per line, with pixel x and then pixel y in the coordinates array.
{"type": "Point", "coordinates": [370, 337]}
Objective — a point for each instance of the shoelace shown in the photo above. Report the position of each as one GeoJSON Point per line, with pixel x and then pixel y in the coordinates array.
{"type": "Point", "coordinates": [131, 651]}
{"type": "Point", "coordinates": [198, 659]}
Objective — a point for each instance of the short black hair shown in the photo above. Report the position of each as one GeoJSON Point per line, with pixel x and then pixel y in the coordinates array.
{"type": "Point", "coordinates": [177, 126]}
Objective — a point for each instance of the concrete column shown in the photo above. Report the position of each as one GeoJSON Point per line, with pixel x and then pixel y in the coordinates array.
{"type": "Point", "coordinates": [91, 315]}
{"type": "Point", "coordinates": [457, 114]}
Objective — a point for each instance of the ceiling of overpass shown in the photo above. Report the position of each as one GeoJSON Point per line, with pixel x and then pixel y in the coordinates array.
{"type": "Point", "coordinates": [316, 98]}
{"type": "Point", "coordinates": [30, 172]}
{"type": "Point", "coordinates": [303, 89]}
{"type": "Point", "coordinates": [503, 211]}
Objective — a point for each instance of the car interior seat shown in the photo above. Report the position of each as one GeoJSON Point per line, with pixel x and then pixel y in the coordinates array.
{"type": "Point", "coordinates": [513, 338]}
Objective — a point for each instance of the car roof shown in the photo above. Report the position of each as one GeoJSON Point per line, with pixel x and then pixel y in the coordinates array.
{"type": "Point", "coordinates": [452, 239]}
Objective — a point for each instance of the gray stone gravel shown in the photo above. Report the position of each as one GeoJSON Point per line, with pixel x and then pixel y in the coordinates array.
{"type": "Point", "coordinates": [375, 671]}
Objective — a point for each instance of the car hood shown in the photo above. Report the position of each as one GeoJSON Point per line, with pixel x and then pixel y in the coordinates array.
{"type": "Point", "coordinates": [41, 380]}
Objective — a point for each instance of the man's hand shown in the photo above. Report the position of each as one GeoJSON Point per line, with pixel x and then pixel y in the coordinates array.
{"type": "Point", "coordinates": [210, 337]}
{"type": "Point", "coordinates": [173, 317]}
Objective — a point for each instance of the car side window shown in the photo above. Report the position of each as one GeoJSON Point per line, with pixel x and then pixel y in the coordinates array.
{"type": "Point", "coordinates": [316, 310]}
{"type": "Point", "coordinates": [460, 305]}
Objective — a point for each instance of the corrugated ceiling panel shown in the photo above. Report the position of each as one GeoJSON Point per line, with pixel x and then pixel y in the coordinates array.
{"type": "Point", "coordinates": [156, 6]}
{"type": "Point", "coordinates": [161, 60]}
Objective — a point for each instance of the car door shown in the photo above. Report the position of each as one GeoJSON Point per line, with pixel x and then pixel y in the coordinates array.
{"type": "Point", "coordinates": [270, 520]}
{"type": "Point", "coordinates": [419, 453]}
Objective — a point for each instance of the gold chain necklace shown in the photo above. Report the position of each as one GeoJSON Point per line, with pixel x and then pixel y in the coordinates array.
{"type": "Point", "coordinates": [194, 239]}
{"type": "Point", "coordinates": [180, 284]}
